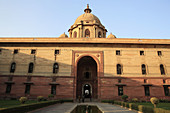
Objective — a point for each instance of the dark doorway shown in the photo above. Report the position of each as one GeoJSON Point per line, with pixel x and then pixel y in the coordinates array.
{"type": "Point", "coordinates": [87, 78]}
{"type": "Point", "coordinates": [87, 91]}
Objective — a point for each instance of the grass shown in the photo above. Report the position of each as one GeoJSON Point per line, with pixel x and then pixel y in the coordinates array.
{"type": "Point", "coordinates": [13, 103]}
{"type": "Point", "coordinates": [160, 105]}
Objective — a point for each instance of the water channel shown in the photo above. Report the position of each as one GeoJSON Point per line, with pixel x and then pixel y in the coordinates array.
{"type": "Point", "coordinates": [86, 109]}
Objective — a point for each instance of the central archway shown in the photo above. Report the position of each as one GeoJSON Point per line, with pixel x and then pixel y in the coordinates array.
{"type": "Point", "coordinates": [87, 78]}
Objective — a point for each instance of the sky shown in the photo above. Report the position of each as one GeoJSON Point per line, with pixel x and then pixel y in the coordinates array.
{"type": "Point", "coordinates": [144, 19]}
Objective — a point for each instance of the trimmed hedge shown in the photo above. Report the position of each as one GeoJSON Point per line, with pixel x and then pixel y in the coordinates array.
{"type": "Point", "coordinates": [28, 107]}
{"type": "Point", "coordinates": [160, 110]}
{"type": "Point", "coordinates": [108, 101]}
{"type": "Point", "coordinates": [133, 106]}
{"type": "Point", "coordinates": [144, 109]}
{"type": "Point", "coordinates": [68, 100]}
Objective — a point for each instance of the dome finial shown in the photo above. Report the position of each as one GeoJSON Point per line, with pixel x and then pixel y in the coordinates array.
{"type": "Point", "coordinates": [87, 6]}
{"type": "Point", "coordinates": [87, 10]}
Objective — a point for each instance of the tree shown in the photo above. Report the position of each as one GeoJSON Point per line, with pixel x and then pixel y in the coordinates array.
{"type": "Point", "coordinates": [154, 101]}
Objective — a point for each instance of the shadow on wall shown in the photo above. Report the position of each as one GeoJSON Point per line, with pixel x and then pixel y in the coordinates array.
{"type": "Point", "coordinates": [42, 76]}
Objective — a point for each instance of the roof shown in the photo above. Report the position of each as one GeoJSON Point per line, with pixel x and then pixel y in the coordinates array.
{"type": "Point", "coordinates": [83, 40]}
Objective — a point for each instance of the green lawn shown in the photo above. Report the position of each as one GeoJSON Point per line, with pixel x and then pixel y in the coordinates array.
{"type": "Point", "coordinates": [13, 103]}
{"type": "Point", "coordinates": [160, 105]}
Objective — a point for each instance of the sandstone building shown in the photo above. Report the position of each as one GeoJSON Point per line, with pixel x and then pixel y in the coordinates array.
{"type": "Point", "coordinates": [86, 62]}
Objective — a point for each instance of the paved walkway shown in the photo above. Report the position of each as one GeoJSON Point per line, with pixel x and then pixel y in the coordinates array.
{"type": "Point", "coordinates": [68, 107]}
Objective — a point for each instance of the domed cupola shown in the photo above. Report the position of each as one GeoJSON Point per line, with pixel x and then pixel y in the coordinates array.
{"type": "Point", "coordinates": [87, 25]}
{"type": "Point", "coordinates": [111, 36]}
{"type": "Point", "coordinates": [63, 35]}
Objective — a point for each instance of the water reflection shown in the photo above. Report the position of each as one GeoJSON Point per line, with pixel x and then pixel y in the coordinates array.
{"type": "Point", "coordinates": [86, 109]}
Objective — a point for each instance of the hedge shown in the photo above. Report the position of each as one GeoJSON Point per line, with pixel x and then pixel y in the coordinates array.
{"type": "Point", "coordinates": [108, 101]}
{"type": "Point", "coordinates": [144, 109]}
{"type": "Point", "coordinates": [28, 107]}
{"type": "Point", "coordinates": [66, 100]}
{"type": "Point", "coordinates": [117, 102]}
{"type": "Point", "coordinates": [133, 106]}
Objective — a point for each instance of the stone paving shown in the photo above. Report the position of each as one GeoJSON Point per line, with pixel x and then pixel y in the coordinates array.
{"type": "Point", "coordinates": [68, 107]}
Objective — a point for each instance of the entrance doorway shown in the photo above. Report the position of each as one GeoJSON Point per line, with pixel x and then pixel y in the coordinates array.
{"type": "Point", "coordinates": [87, 91]}
{"type": "Point", "coordinates": [87, 78]}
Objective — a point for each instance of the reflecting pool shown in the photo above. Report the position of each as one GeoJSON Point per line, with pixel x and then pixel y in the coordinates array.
{"type": "Point", "coordinates": [86, 109]}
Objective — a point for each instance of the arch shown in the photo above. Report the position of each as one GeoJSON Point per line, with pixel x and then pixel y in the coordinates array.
{"type": "Point", "coordinates": [75, 34]}
{"type": "Point", "coordinates": [119, 69]}
{"type": "Point", "coordinates": [90, 89]}
{"type": "Point", "coordinates": [55, 68]}
{"type": "Point", "coordinates": [99, 34]}
{"type": "Point", "coordinates": [162, 70]}
{"type": "Point", "coordinates": [86, 64]}
{"type": "Point", "coordinates": [143, 69]}
{"type": "Point", "coordinates": [87, 33]}
{"type": "Point", "coordinates": [13, 67]}
{"type": "Point", "coordinates": [94, 58]}
{"type": "Point", "coordinates": [31, 66]}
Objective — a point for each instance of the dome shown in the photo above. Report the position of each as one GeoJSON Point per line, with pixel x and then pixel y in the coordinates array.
{"type": "Point", "coordinates": [87, 17]}
{"type": "Point", "coordinates": [63, 35]}
{"type": "Point", "coordinates": [111, 36]}
{"type": "Point", "coordinates": [87, 25]}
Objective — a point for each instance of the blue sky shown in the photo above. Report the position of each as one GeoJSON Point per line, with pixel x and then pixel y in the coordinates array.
{"type": "Point", "coordinates": [50, 18]}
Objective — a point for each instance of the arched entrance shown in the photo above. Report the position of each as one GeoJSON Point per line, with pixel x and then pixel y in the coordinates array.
{"type": "Point", "coordinates": [87, 78]}
{"type": "Point", "coordinates": [87, 91]}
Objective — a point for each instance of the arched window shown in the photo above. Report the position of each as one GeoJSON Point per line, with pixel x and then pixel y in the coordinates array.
{"type": "Point", "coordinates": [143, 69]}
{"type": "Point", "coordinates": [31, 66]}
{"type": "Point", "coordinates": [162, 69]}
{"type": "Point", "coordinates": [99, 34]}
{"type": "Point", "coordinates": [119, 69]}
{"type": "Point", "coordinates": [13, 66]}
{"type": "Point", "coordinates": [87, 75]}
{"type": "Point", "coordinates": [87, 33]}
{"type": "Point", "coordinates": [55, 68]}
{"type": "Point", "coordinates": [75, 34]}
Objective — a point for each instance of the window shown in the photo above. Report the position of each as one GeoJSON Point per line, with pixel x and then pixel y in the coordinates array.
{"type": "Point", "coordinates": [120, 90]}
{"type": "Point", "coordinates": [53, 89]}
{"type": "Point", "coordinates": [27, 88]}
{"type": "Point", "coordinates": [31, 66]}
{"type": "Point", "coordinates": [15, 51]}
{"type": "Point", "coordinates": [8, 88]}
{"type": "Point", "coordinates": [164, 81]}
{"type": "Point", "coordinates": [162, 69]}
{"type": "Point", "coordinates": [119, 69]}
{"type": "Point", "coordinates": [147, 92]}
{"type": "Point", "coordinates": [75, 34]}
{"type": "Point", "coordinates": [87, 33]}
{"type": "Point", "coordinates": [33, 51]}
{"type": "Point", "coordinates": [141, 52]}
{"type": "Point", "coordinates": [117, 52]}
{"type": "Point", "coordinates": [166, 90]}
{"type": "Point", "coordinates": [87, 75]}
{"type": "Point", "coordinates": [159, 53]}
{"type": "Point", "coordinates": [55, 68]}
{"type": "Point", "coordinates": [99, 34]}
{"type": "Point", "coordinates": [56, 52]}
{"type": "Point", "coordinates": [13, 66]}
{"type": "Point", "coordinates": [143, 69]}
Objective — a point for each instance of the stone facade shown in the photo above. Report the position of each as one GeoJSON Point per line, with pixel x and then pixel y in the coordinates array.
{"type": "Point", "coordinates": [109, 67]}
